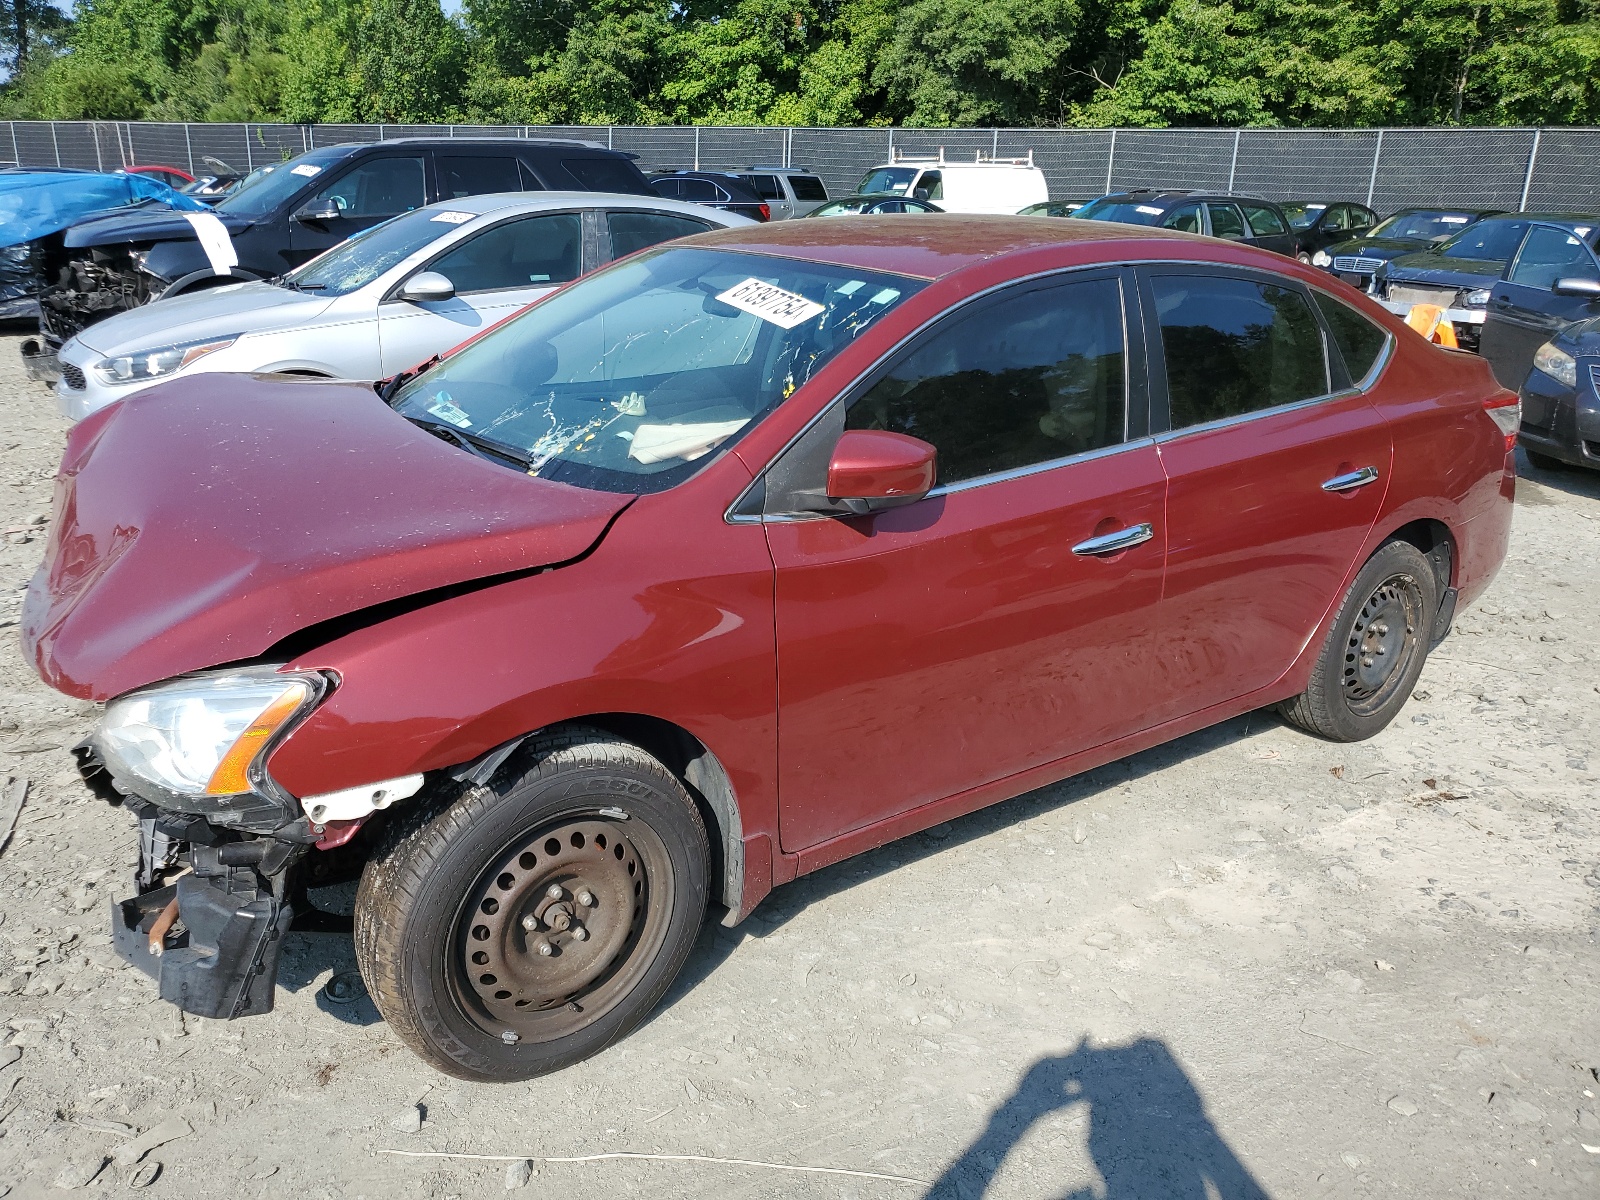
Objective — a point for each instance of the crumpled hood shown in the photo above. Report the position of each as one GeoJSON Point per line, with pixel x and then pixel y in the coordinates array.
{"type": "Point", "coordinates": [144, 225]}
{"type": "Point", "coordinates": [1429, 267]}
{"type": "Point", "coordinates": [211, 313]}
{"type": "Point", "coordinates": [213, 516]}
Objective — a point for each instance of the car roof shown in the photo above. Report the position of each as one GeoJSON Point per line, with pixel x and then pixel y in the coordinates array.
{"type": "Point", "coordinates": [497, 202]}
{"type": "Point", "coordinates": [924, 245]}
{"type": "Point", "coordinates": [1555, 218]}
{"type": "Point", "coordinates": [1174, 195]}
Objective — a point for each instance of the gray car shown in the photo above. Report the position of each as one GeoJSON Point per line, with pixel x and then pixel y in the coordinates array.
{"type": "Point", "coordinates": [388, 298]}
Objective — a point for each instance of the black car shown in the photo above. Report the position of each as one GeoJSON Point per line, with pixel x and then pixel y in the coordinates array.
{"type": "Point", "coordinates": [1553, 280]}
{"type": "Point", "coordinates": [1561, 399]}
{"type": "Point", "coordinates": [1460, 276]}
{"type": "Point", "coordinates": [873, 204]}
{"type": "Point", "coordinates": [1320, 223]}
{"type": "Point", "coordinates": [1052, 208]}
{"type": "Point", "coordinates": [1236, 218]}
{"type": "Point", "coordinates": [281, 218]}
{"type": "Point", "coordinates": [714, 189]}
{"type": "Point", "coordinates": [1357, 259]}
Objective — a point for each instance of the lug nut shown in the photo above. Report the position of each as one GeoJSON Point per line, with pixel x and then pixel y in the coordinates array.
{"type": "Point", "coordinates": [586, 899]}
{"type": "Point", "coordinates": [530, 922]}
{"type": "Point", "coordinates": [546, 949]}
{"type": "Point", "coordinates": [580, 933]}
{"type": "Point", "coordinates": [554, 891]}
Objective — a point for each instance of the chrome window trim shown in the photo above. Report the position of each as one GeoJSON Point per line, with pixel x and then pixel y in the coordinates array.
{"type": "Point", "coordinates": [732, 518]}
{"type": "Point", "coordinates": [1039, 468]}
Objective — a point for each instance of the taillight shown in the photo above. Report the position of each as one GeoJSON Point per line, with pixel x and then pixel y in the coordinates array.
{"type": "Point", "coordinates": [766, 212]}
{"type": "Point", "coordinates": [1505, 410]}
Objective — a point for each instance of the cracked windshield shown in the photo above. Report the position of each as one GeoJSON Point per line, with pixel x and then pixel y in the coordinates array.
{"type": "Point", "coordinates": [626, 381]}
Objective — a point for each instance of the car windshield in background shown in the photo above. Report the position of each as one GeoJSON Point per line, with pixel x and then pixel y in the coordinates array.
{"type": "Point", "coordinates": [362, 258]}
{"type": "Point", "coordinates": [258, 195]}
{"type": "Point", "coordinates": [1303, 216]}
{"type": "Point", "coordinates": [894, 180]}
{"type": "Point", "coordinates": [843, 208]}
{"type": "Point", "coordinates": [1425, 224]}
{"type": "Point", "coordinates": [1116, 208]}
{"type": "Point", "coordinates": [628, 380]}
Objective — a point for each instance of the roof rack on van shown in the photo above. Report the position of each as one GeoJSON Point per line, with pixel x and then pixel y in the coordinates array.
{"type": "Point", "coordinates": [899, 156]}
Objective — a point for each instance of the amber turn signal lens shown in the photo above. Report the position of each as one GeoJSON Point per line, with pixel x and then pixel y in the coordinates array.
{"type": "Point", "coordinates": [231, 776]}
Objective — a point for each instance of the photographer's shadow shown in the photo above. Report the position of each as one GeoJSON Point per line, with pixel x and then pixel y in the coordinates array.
{"type": "Point", "coordinates": [1149, 1134]}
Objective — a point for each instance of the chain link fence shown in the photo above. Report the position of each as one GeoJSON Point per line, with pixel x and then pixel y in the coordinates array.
{"type": "Point", "coordinates": [1386, 168]}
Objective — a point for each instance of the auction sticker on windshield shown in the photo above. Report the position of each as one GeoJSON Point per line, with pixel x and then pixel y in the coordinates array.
{"type": "Point", "coordinates": [771, 303]}
{"type": "Point", "coordinates": [451, 218]}
{"type": "Point", "coordinates": [306, 169]}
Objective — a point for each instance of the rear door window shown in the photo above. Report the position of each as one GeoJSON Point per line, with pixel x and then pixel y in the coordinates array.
{"type": "Point", "coordinates": [808, 188]}
{"type": "Point", "coordinates": [1264, 222]}
{"type": "Point", "coordinates": [1235, 345]}
{"type": "Point", "coordinates": [1225, 221]}
{"type": "Point", "coordinates": [700, 190]}
{"type": "Point", "coordinates": [603, 174]}
{"type": "Point", "coordinates": [1360, 342]}
{"type": "Point", "coordinates": [1021, 380]}
{"type": "Point", "coordinates": [476, 175]}
{"type": "Point", "coordinates": [765, 186]}
{"type": "Point", "coordinates": [528, 252]}
{"type": "Point", "coordinates": [632, 231]}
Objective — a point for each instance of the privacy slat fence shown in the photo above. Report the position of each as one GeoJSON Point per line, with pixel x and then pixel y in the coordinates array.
{"type": "Point", "coordinates": [1389, 168]}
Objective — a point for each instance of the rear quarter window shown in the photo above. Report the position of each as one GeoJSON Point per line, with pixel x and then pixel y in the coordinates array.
{"type": "Point", "coordinates": [1359, 340]}
{"type": "Point", "coordinates": [603, 174]}
{"type": "Point", "coordinates": [807, 187]}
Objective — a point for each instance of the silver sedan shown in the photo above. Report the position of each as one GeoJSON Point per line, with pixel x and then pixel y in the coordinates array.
{"type": "Point", "coordinates": [385, 300]}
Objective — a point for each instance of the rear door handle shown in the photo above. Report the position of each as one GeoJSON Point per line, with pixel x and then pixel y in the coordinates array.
{"type": "Point", "coordinates": [1355, 479]}
{"type": "Point", "coordinates": [1111, 543]}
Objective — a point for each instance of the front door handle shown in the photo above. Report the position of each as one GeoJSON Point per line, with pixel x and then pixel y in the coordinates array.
{"type": "Point", "coordinates": [1111, 543]}
{"type": "Point", "coordinates": [1351, 481]}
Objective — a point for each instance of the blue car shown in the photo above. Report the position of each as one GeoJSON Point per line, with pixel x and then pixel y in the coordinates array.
{"type": "Point", "coordinates": [1561, 400]}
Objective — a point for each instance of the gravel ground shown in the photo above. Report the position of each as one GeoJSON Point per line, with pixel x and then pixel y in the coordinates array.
{"type": "Point", "coordinates": [1288, 967]}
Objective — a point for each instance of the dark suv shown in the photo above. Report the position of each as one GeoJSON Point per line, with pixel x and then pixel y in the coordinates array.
{"type": "Point", "coordinates": [1235, 218]}
{"type": "Point", "coordinates": [283, 217]}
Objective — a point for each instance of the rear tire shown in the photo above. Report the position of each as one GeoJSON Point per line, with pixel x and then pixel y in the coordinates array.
{"type": "Point", "coordinates": [1375, 648]}
{"type": "Point", "coordinates": [512, 930]}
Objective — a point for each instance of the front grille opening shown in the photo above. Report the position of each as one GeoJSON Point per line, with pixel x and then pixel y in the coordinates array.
{"type": "Point", "coordinates": [72, 377]}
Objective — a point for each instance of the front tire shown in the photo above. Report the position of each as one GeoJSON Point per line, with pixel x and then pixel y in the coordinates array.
{"type": "Point", "coordinates": [1375, 649]}
{"type": "Point", "coordinates": [512, 930]}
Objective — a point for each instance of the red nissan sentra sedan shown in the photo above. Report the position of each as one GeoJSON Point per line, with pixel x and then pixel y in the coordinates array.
{"type": "Point", "coordinates": [744, 555]}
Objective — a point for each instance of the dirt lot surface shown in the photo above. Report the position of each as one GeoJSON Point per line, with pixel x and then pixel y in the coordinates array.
{"type": "Point", "coordinates": [1290, 968]}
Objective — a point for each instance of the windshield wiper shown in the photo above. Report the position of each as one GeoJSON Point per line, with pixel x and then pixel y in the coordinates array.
{"type": "Point", "coordinates": [485, 448]}
{"type": "Point", "coordinates": [388, 387]}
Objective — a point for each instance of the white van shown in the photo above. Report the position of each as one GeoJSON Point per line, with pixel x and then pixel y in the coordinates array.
{"type": "Point", "coordinates": [984, 185]}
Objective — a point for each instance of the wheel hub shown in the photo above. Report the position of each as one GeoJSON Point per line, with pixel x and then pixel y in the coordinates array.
{"type": "Point", "coordinates": [553, 922]}
{"type": "Point", "coordinates": [1382, 643]}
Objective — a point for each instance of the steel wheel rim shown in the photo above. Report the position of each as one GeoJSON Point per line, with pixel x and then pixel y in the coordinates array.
{"type": "Point", "coordinates": [596, 891]}
{"type": "Point", "coordinates": [1383, 644]}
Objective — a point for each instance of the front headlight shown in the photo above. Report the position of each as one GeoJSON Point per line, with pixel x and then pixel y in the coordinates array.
{"type": "Point", "coordinates": [1321, 259]}
{"type": "Point", "coordinates": [200, 735]}
{"type": "Point", "coordinates": [1558, 364]}
{"type": "Point", "coordinates": [1477, 299]}
{"type": "Point", "coordinates": [163, 360]}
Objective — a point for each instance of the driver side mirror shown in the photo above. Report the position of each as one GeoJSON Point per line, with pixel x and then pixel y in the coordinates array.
{"type": "Point", "coordinates": [1578, 287]}
{"type": "Point", "coordinates": [873, 469]}
{"type": "Point", "coordinates": [426, 286]}
{"type": "Point", "coordinates": [317, 210]}
{"type": "Point", "coordinates": [921, 194]}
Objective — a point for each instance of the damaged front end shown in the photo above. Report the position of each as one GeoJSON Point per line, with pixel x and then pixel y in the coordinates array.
{"type": "Point", "coordinates": [82, 286]}
{"type": "Point", "coordinates": [221, 847]}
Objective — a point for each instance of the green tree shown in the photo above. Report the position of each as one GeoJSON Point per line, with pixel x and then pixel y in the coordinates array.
{"type": "Point", "coordinates": [978, 62]}
{"type": "Point", "coordinates": [410, 58]}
